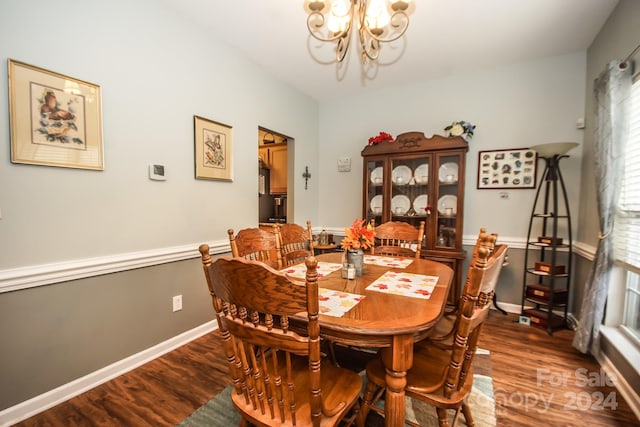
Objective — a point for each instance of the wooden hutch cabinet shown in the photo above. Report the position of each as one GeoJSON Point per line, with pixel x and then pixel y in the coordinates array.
{"type": "Point", "coordinates": [413, 179]}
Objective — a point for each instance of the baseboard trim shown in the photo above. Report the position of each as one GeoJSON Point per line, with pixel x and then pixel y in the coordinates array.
{"type": "Point", "coordinates": [508, 307]}
{"type": "Point", "coordinates": [517, 309]}
{"type": "Point", "coordinates": [621, 383]}
{"type": "Point", "coordinates": [65, 392]}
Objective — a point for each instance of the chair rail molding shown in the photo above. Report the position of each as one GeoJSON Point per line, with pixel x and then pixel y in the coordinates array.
{"type": "Point", "coordinates": [586, 251]}
{"type": "Point", "coordinates": [47, 274]}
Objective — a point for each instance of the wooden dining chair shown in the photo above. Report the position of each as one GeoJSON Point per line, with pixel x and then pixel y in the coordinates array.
{"type": "Point", "coordinates": [444, 332]}
{"type": "Point", "coordinates": [296, 243]}
{"type": "Point", "coordinates": [278, 375]}
{"type": "Point", "coordinates": [257, 244]}
{"type": "Point", "coordinates": [397, 238]}
{"type": "Point", "coordinates": [443, 376]}
{"type": "Point", "coordinates": [445, 327]}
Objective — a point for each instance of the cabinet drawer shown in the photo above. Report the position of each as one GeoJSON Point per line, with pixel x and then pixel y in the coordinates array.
{"type": "Point", "coordinates": [549, 240]}
{"type": "Point", "coordinates": [544, 319]}
{"type": "Point", "coordinates": [543, 294]}
{"type": "Point", "coordinates": [545, 267]}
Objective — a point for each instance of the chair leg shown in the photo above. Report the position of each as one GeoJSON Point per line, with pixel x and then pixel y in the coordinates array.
{"type": "Point", "coordinates": [358, 419]}
{"type": "Point", "coordinates": [443, 417]}
{"type": "Point", "coordinates": [367, 400]}
{"type": "Point", "coordinates": [332, 353]}
{"type": "Point", "coordinates": [372, 394]}
{"type": "Point", "coordinates": [466, 411]}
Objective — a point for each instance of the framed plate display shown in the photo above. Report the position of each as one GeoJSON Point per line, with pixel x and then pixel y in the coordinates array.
{"type": "Point", "coordinates": [514, 168]}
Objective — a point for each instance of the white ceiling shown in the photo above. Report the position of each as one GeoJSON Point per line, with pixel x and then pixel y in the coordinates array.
{"type": "Point", "coordinates": [444, 37]}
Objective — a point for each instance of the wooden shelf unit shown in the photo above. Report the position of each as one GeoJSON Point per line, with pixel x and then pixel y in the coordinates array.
{"type": "Point", "coordinates": [548, 254]}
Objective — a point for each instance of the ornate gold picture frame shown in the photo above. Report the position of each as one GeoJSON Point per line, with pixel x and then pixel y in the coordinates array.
{"type": "Point", "coordinates": [56, 120]}
{"type": "Point", "coordinates": [213, 150]}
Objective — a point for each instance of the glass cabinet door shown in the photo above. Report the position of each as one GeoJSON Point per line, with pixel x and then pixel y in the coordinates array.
{"type": "Point", "coordinates": [375, 190]}
{"type": "Point", "coordinates": [447, 205]}
{"type": "Point", "coordinates": [409, 189]}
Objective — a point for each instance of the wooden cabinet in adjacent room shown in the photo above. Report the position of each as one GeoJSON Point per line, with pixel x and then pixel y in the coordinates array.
{"type": "Point", "coordinates": [278, 166]}
{"type": "Point", "coordinates": [274, 156]}
{"type": "Point", "coordinates": [413, 179]}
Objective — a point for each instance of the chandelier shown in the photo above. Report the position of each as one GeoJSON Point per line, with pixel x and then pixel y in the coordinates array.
{"type": "Point", "coordinates": [376, 21]}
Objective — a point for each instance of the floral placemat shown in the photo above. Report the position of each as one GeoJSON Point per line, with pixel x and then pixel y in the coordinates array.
{"type": "Point", "coordinates": [299, 271]}
{"type": "Point", "coordinates": [387, 261]}
{"type": "Point", "coordinates": [406, 284]}
{"type": "Point", "coordinates": [337, 303]}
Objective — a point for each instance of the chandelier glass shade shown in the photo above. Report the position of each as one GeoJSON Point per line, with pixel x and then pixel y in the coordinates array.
{"type": "Point", "coordinates": [375, 21]}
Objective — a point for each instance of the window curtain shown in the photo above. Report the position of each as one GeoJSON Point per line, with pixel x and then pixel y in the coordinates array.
{"type": "Point", "coordinates": [612, 94]}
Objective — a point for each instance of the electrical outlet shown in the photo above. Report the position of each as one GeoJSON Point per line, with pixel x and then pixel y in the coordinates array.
{"type": "Point", "coordinates": [177, 303]}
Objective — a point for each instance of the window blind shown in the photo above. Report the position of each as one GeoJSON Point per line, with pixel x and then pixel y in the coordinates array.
{"type": "Point", "coordinates": [627, 222]}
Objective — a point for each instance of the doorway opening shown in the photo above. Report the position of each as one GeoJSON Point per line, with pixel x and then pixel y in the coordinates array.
{"type": "Point", "coordinates": [274, 157]}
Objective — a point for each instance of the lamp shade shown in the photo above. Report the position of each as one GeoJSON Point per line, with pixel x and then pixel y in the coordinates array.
{"type": "Point", "coordinates": [553, 148]}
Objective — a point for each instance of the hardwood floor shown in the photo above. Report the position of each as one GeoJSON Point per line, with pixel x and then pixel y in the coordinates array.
{"type": "Point", "coordinates": [538, 379]}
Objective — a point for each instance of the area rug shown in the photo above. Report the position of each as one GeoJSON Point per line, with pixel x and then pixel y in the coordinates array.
{"type": "Point", "coordinates": [219, 411]}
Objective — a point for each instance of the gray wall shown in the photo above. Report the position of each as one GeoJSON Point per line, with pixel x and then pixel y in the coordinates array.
{"type": "Point", "coordinates": [54, 334]}
{"type": "Point", "coordinates": [156, 70]}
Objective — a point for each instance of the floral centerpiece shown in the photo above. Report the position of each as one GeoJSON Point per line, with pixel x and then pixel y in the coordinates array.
{"type": "Point", "coordinates": [461, 128]}
{"type": "Point", "coordinates": [381, 137]}
{"type": "Point", "coordinates": [358, 237]}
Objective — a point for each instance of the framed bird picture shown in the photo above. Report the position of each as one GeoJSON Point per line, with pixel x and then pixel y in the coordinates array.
{"type": "Point", "coordinates": [56, 120]}
{"type": "Point", "coordinates": [213, 150]}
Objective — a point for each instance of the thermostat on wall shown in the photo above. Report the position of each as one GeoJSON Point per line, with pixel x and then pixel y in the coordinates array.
{"type": "Point", "coordinates": [156, 172]}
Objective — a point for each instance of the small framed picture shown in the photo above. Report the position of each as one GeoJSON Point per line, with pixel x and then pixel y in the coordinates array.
{"type": "Point", "coordinates": [213, 150]}
{"type": "Point", "coordinates": [56, 120]}
{"type": "Point", "coordinates": [514, 169]}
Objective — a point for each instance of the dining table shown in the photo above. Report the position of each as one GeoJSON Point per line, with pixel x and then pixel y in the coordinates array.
{"type": "Point", "coordinates": [394, 303]}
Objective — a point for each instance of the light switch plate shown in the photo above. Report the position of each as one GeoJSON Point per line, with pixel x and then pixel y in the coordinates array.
{"type": "Point", "coordinates": [156, 172]}
{"type": "Point", "coordinates": [344, 164]}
